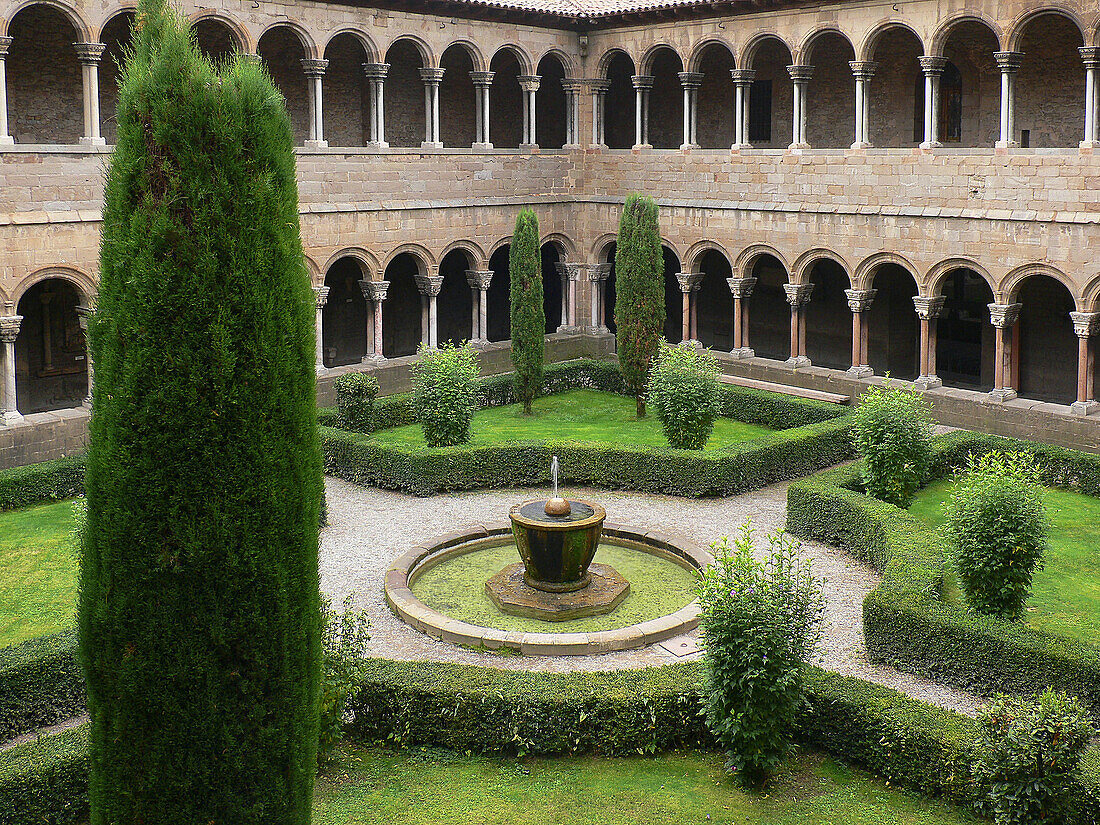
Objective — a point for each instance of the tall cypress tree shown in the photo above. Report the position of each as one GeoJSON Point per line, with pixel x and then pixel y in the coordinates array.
{"type": "Point", "coordinates": [640, 293]}
{"type": "Point", "coordinates": [528, 318]}
{"type": "Point", "coordinates": [199, 602]}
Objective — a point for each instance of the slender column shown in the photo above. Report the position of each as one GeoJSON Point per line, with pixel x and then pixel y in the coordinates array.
{"type": "Point", "coordinates": [642, 85]}
{"type": "Point", "coordinates": [1090, 56]}
{"type": "Point", "coordinates": [800, 76]}
{"type": "Point", "coordinates": [597, 277]}
{"type": "Point", "coordinates": [315, 72]}
{"type": "Point", "coordinates": [429, 286]}
{"type": "Point", "coordinates": [933, 69]}
{"type": "Point", "coordinates": [321, 295]}
{"type": "Point", "coordinates": [928, 311]}
{"type": "Point", "coordinates": [9, 331]}
{"type": "Point", "coordinates": [690, 82]}
{"type": "Point", "coordinates": [89, 55]}
{"type": "Point", "coordinates": [376, 75]}
{"type": "Point", "coordinates": [479, 281]}
{"type": "Point", "coordinates": [863, 71]}
{"type": "Point", "coordinates": [1085, 325]}
{"type": "Point", "coordinates": [599, 110]}
{"type": "Point", "coordinates": [83, 315]}
{"type": "Point", "coordinates": [742, 82]}
{"type": "Point", "coordinates": [482, 81]}
{"type": "Point", "coordinates": [573, 90]}
{"type": "Point", "coordinates": [375, 292]}
{"type": "Point", "coordinates": [689, 285]}
{"type": "Point", "coordinates": [432, 78]}
{"type": "Point", "coordinates": [5, 137]}
{"type": "Point", "coordinates": [1003, 317]}
{"type": "Point", "coordinates": [576, 274]}
{"type": "Point", "coordinates": [1009, 63]}
{"type": "Point", "coordinates": [859, 301]}
{"type": "Point", "coordinates": [530, 86]}
{"type": "Point", "coordinates": [741, 289]}
{"type": "Point", "coordinates": [798, 295]}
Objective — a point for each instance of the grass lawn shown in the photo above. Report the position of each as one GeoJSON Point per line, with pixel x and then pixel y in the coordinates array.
{"type": "Point", "coordinates": [1065, 596]}
{"type": "Point", "coordinates": [439, 788]}
{"type": "Point", "coordinates": [579, 415]}
{"type": "Point", "coordinates": [38, 572]}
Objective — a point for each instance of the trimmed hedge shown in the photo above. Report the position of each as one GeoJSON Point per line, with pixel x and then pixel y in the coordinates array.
{"type": "Point", "coordinates": [905, 622]}
{"type": "Point", "coordinates": [46, 481]}
{"type": "Point", "coordinates": [46, 780]}
{"type": "Point", "coordinates": [41, 683]}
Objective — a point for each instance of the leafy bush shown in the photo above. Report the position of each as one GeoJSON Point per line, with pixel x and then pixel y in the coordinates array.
{"type": "Point", "coordinates": [445, 393]}
{"type": "Point", "coordinates": [761, 622]}
{"type": "Point", "coordinates": [355, 394]}
{"type": "Point", "coordinates": [527, 318]}
{"type": "Point", "coordinates": [45, 481]}
{"type": "Point", "coordinates": [344, 638]}
{"type": "Point", "coordinates": [998, 525]}
{"type": "Point", "coordinates": [1026, 756]}
{"type": "Point", "coordinates": [892, 433]}
{"type": "Point", "coordinates": [683, 389]}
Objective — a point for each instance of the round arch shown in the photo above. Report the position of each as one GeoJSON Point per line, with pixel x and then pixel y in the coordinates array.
{"type": "Point", "coordinates": [1020, 24]}
{"type": "Point", "coordinates": [85, 285]}
{"type": "Point", "coordinates": [806, 47]}
{"type": "Point", "coordinates": [475, 255]}
{"type": "Point", "coordinates": [426, 55]}
{"type": "Point", "coordinates": [938, 274]}
{"type": "Point", "coordinates": [568, 65]}
{"type": "Point", "coordinates": [477, 59]}
{"type": "Point", "coordinates": [693, 258]}
{"type": "Point", "coordinates": [646, 63]}
{"type": "Point", "coordinates": [694, 62]}
{"type": "Point", "coordinates": [367, 261]}
{"type": "Point", "coordinates": [424, 258]}
{"type": "Point", "coordinates": [757, 42]}
{"type": "Point", "coordinates": [361, 37]}
{"type": "Point", "coordinates": [598, 251]}
{"type": "Point", "coordinates": [113, 15]}
{"type": "Point", "coordinates": [499, 245]}
{"type": "Point", "coordinates": [607, 57]}
{"type": "Point", "coordinates": [526, 66]}
{"type": "Point", "coordinates": [563, 242]}
{"type": "Point", "coordinates": [1090, 296]}
{"type": "Point", "coordinates": [51, 364]}
{"type": "Point", "coordinates": [305, 39]}
{"type": "Point", "coordinates": [805, 262]}
{"type": "Point", "coordinates": [1011, 283]}
{"type": "Point", "coordinates": [867, 46]}
{"type": "Point", "coordinates": [948, 25]}
{"type": "Point", "coordinates": [83, 30]}
{"type": "Point", "coordinates": [865, 270]}
{"type": "Point", "coordinates": [748, 257]}
{"type": "Point", "coordinates": [238, 32]}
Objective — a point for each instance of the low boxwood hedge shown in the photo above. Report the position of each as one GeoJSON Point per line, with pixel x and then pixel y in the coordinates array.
{"type": "Point", "coordinates": [41, 683]}
{"type": "Point", "coordinates": [45, 481]}
{"type": "Point", "coordinates": [906, 623]}
{"type": "Point", "coordinates": [46, 780]}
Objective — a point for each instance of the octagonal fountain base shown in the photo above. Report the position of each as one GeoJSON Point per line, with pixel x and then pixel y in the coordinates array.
{"type": "Point", "coordinates": [510, 592]}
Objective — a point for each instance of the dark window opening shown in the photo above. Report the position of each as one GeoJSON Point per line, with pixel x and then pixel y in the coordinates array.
{"type": "Point", "coordinates": [760, 111]}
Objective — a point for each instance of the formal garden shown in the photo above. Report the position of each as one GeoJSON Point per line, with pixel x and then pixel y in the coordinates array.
{"type": "Point", "coordinates": [595, 591]}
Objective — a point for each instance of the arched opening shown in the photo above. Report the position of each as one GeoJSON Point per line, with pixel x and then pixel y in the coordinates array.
{"type": "Point", "coordinates": [45, 85]}
{"type": "Point", "coordinates": [831, 97]}
{"type": "Point", "coordinates": [897, 89]}
{"type": "Point", "coordinates": [964, 337]}
{"type": "Point", "coordinates": [666, 100]}
{"type": "Point", "coordinates": [499, 304]}
{"type": "Point", "coordinates": [619, 102]}
{"type": "Point", "coordinates": [674, 300]}
{"type": "Point", "coordinates": [51, 357]}
{"type": "Point", "coordinates": [282, 53]}
{"type": "Point", "coordinates": [769, 312]}
{"type": "Point", "coordinates": [402, 310]}
{"type": "Point", "coordinates": [828, 317]}
{"type": "Point", "coordinates": [550, 104]}
{"type": "Point", "coordinates": [455, 301]}
{"type": "Point", "coordinates": [1047, 361]}
{"type": "Point", "coordinates": [457, 103]}
{"type": "Point", "coordinates": [116, 36]}
{"type": "Point", "coordinates": [893, 334]}
{"type": "Point", "coordinates": [1050, 86]}
{"type": "Point", "coordinates": [216, 40]}
{"type": "Point", "coordinates": [505, 103]}
{"type": "Point", "coordinates": [552, 287]}
{"type": "Point", "coordinates": [714, 118]}
{"type": "Point", "coordinates": [715, 302]}
{"type": "Point", "coordinates": [344, 315]}
{"type": "Point", "coordinates": [404, 95]}
{"type": "Point", "coordinates": [970, 90]}
{"type": "Point", "coordinates": [346, 96]}
{"type": "Point", "coordinates": [608, 257]}
{"type": "Point", "coordinates": [771, 98]}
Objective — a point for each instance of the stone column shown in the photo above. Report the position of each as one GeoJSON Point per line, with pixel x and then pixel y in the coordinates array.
{"type": "Point", "coordinates": [928, 311]}
{"type": "Point", "coordinates": [742, 290]}
{"type": "Point", "coordinates": [1085, 325]}
{"type": "Point", "coordinates": [800, 76]}
{"type": "Point", "coordinates": [429, 286]}
{"type": "Point", "coordinates": [597, 277]}
{"type": "Point", "coordinates": [1090, 56]}
{"type": "Point", "coordinates": [599, 110]}
{"type": "Point", "coordinates": [571, 273]}
{"type": "Point", "coordinates": [863, 71]}
{"type": "Point", "coordinates": [859, 301]}
{"type": "Point", "coordinates": [690, 282]}
{"type": "Point", "coordinates": [933, 69]}
{"type": "Point", "coordinates": [1003, 317]}
{"type": "Point", "coordinates": [1009, 63]}
{"type": "Point", "coordinates": [573, 89]}
{"type": "Point", "coordinates": [798, 295]}
{"type": "Point", "coordinates": [9, 331]}
{"type": "Point", "coordinates": [482, 81]}
{"type": "Point", "coordinates": [375, 293]}
{"type": "Point", "coordinates": [376, 76]}
{"type": "Point", "coordinates": [315, 72]}
{"type": "Point", "coordinates": [643, 83]}
{"type": "Point", "coordinates": [83, 315]}
{"type": "Point", "coordinates": [321, 295]}
{"type": "Point", "coordinates": [479, 281]}
{"type": "Point", "coordinates": [432, 78]}
{"type": "Point", "coordinates": [5, 137]}
{"type": "Point", "coordinates": [691, 81]}
{"type": "Point", "coordinates": [529, 84]}
{"type": "Point", "coordinates": [742, 82]}
{"type": "Point", "coordinates": [89, 55]}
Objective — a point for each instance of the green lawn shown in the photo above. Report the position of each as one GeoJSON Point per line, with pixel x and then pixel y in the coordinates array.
{"type": "Point", "coordinates": [1065, 596]}
{"type": "Point", "coordinates": [38, 572]}
{"type": "Point", "coordinates": [579, 415]}
{"type": "Point", "coordinates": [438, 788]}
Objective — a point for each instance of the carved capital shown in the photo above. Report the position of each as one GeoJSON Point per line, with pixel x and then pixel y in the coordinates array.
{"type": "Point", "coordinates": [1003, 316]}
{"type": "Point", "coordinates": [642, 82]}
{"type": "Point", "coordinates": [529, 82]}
{"type": "Point", "coordinates": [798, 295]}
{"type": "Point", "coordinates": [479, 278]}
{"type": "Point", "coordinates": [932, 66]}
{"type": "Point", "coordinates": [432, 76]}
{"type": "Point", "coordinates": [1085, 324]}
{"type": "Point", "coordinates": [321, 295]}
{"type": "Point", "coordinates": [863, 69]}
{"type": "Point", "coordinates": [691, 80]}
{"type": "Point", "coordinates": [689, 281]}
{"type": "Point", "coordinates": [89, 53]}
{"type": "Point", "coordinates": [571, 271]}
{"type": "Point", "coordinates": [482, 78]}
{"type": "Point", "coordinates": [859, 300]}
{"type": "Point", "coordinates": [598, 86]}
{"type": "Point", "coordinates": [928, 308]}
{"type": "Point", "coordinates": [83, 315]}
{"type": "Point", "coordinates": [374, 291]}
{"type": "Point", "coordinates": [429, 284]}
{"type": "Point", "coordinates": [573, 86]}
{"type": "Point", "coordinates": [1009, 62]}
{"type": "Point", "coordinates": [800, 74]}
{"type": "Point", "coordinates": [314, 67]}
{"type": "Point", "coordinates": [741, 287]}
{"type": "Point", "coordinates": [376, 71]}
{"type": "Point", "coordinates": [9, 328]}
{"type": "Point", "coordinates": [599, 272]}
{"type": "Point", "coordinates": [1090, 56]}
{"type": "Point", "coordinates": [5, 44]}
{"type": "Point", "coordinates": [744, 76]}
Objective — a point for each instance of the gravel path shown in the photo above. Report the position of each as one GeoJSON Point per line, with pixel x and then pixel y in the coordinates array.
{"type": "Point", "coordinates": [368, 528]}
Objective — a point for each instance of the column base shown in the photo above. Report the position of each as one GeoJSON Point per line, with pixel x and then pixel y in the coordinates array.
{"type": "Point", "coordinates": [797, 361]}
{"type": "Point", "coordinates": [87, 403]}
{"type": "Point", "coordinates": [91, 141]}
{"type": "Point", "coordinates": [1084, 407]}
{"type": "Point", "coordinates": [858, 145]}
{"type": "Point", "coordinates": [597, 330]}
{"type": "Point", "coordinates": [1087, 146]}
{"type": "Point", "coordinates": [743, 352]}
{"type": "Point", "coordinates": [687, 147]}
{"type": "Point", "coordinates": [928, 382]}
{"type": "Point", "coordinates": [479, 343]}
{"type": "Point", "coordinates": [7, 140]}
{"type": "Point", "coordinates": [691, 342]}
{"type": "Point", "coordinates": [740, 147]}
{"type": "Point", "coordinates": [999, 395]}
{"type": "Point", "coordinates": [567, 329]}
{"type": "Point", "coordinates": [315, 144]}
{"type": "Point", "coordinates": [430, 144]}
{"type": "Point", "coordinates": [1006, 144]}
{"type": "Point", "coordinates": [928, 146]}
{"type": "Point", "coordinates": [12, 417]}
{"type": "Point", "coordinates": [637, 147]}
{"type": "Point", "coordinates": [572, 146]}
{"type": "Point", "coordinates": [529, 147]}
{"type": "Point", "coordinates": [481, 147]}
{"type": "Point", "coordinates": [861, 371]}
{"type": "Point", "coordinates": [798, 147]}
{"type": "Point", "coordinates": [373, 358]}
{"type": "Point", "coordinates": [377, 144]}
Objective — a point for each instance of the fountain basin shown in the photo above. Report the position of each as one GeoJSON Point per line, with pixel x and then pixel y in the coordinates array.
{"type": "Point", "coordinates": [557, 550]}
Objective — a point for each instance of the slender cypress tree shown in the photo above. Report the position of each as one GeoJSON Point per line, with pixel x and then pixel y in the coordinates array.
{"type": "Point", "coordinates": [528, 318]}
{"type": "Point", "coordinates": [199, 603]}
{"type": "Point", "coordinates": [640, 293]}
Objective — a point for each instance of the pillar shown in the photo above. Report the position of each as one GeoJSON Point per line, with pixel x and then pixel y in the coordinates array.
{"type": "Point", "coordinates": [742, 82]}
{"type": "Point", "coordinates": [933, 69]}
{"type": "Point", "coordinates": [573, 89]}
{"type": "Point", "coordinates": [643, 84]}
{"type": "Point", "coordinates": [5, 137]}
{"type": "Point", "coordinates": [690, 282]}
{"type": "Point", "coordinates": [742, 290]}
{"type": "Point", "coordinates": [691, 81]}
{"type": "Point", "coordinates": [597, 277]}
{"type": "Point", "coordinates": [859, 301]}
{"type": "Point", "coordinates": [429, 286]}
{"type": "Point", "coordinates": [800, 76]}
{"type": "Point", "coordinates": [315, 72]}
{"type": "Point", "coordinates": [432, 78]}
{"type": "Point", "coordinates": [479, 281]}
{"type": "Point", "coordinates": [83, 315]}
{"type": "Point", "coordinates": [928, 311]}
{"type": "Point", "coordinates": [1009, 63]}
{"type": "Point", "coordinates": [321, 295]}
{"type": "Point", "coordinates": [599, 109]}
{"type": "Point", "coordinates": [1003, 317]}
{"type": "Point", "coordinates": [9, 331]}
{"type": "Point", "coordinates": [89, 55]}
{"type": "Point", "coordinates": [863, 71]}
{"type": "Point", "coordinates": [376, 76]}
{"type": "Point", "coordinates": [482, 81]}
{"type": "Point", "coordinates": [1090, 56]}
{"type": "Point", "coordinates": [375, 293]}
{"type": "Point", "coordinates": [530, 86]}
{"type": "Point", "coordinates": [798, 295]}
{"type": "Point", "coordinates": [1085, 324]}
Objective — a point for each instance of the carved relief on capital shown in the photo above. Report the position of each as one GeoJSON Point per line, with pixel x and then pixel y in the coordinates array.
{"type": "Point", "coordinates": [801, 74]}
{"type": "Point", "coordinates": [933, 65]}
{"type": "Point", "coordinates": [598, 85]}
{"type": "Point", "coordinates": [745, 76]}
{"type": "Point", "coordinates": [599, 272]}
{"type": "Point", "coordinates": [798, 294]}
{"type": "Point", "coordinates": [741, 287]}
{"type": "Point", "coordinates": [691, 79]}
{"type": "Point", "coordinates": [529, 82]}
{"type": "Point", "coordinates": [83, 315]}
{"type": "Point", "coordinates": [9, 328]}
{"type": "Point", "coordinates": [89, 52]}
{"type": "Point", "coordinates": [314, 67]}
{"type": "Point", "coordinates": [5, 44]}
{"type": "Point", "coordinates": [482, 78]}
{"type": "Point", "coordinates": [479, 278]}
{"type": "Point", "coordinates": [321, 294]}
{"type": "Point", "coordinates": [1009, 61]}
{"type": "Point", "coordinates": [572, 271]}
{"type": "Point", "coordinates": [431, 76]}
{"type": "Point", "coordinates": [689, 281]}
{"type": "Point", "coordinates": [1085, 324]}
{"type": "Point", "coordinates": [859, 300]}
{"type": "Point", "coordinates": [642, 82]}
{"type": "Point", "coordinates": [374, 291]}
{"type": "Point", "coordinates": [1003, 316]}
{"type": "Point", "coordinates": [429, 284]}
{"type": "Point", "coordinates": [375, 71]}
{"type": "Point", "coordinates": [863, 69]}
{"type": "Point", "coordinates": [928, 309]}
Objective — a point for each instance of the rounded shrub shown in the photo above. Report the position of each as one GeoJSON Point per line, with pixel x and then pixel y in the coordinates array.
{"type": "Point", "coordinates": [892, 434]}
{"type": "Point", "coordinates": [528, 321]}
{"type": "Point", "coordinates": [355, 394]}
{"type": "Point", "coordinates": [344, 638]}
{"type": "Point", "coordinates": [684, 390]}
{"type": "Point", "coordinates": [445, 393]}
{"type": "Point", "coordinates": [199, 601]}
